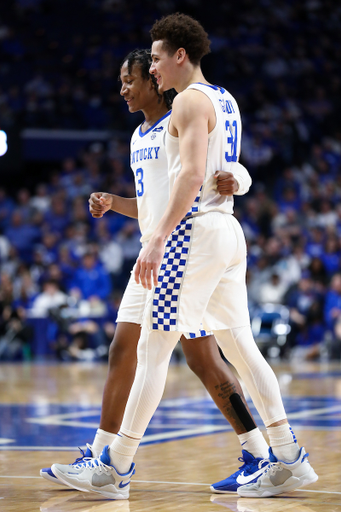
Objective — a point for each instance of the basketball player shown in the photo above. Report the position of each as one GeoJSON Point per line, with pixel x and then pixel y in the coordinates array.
{"type": "Point", "coordinates": [196, 260]}
{"type": "Point", "coordinates": [149, 164]}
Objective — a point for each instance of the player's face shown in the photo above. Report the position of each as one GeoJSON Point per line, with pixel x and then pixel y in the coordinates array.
{"type": "Point", "coordinates": [163, 67]}
{"type": "Point", "coordinates": [136, 90]}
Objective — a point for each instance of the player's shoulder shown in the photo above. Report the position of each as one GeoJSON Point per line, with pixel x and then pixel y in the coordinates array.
{"type": "Point", "coordinates": [191, 101]}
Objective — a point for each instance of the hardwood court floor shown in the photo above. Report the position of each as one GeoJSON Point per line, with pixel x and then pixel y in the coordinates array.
{"type": "Point", "coordinates": [46, 410]}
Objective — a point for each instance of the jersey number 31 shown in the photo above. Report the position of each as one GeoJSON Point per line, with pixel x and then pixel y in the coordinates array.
{"type": "Point", "coordinates": [231, 129]}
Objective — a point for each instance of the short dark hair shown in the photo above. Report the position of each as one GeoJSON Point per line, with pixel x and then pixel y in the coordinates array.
{"type": "Point", "coordinates": [144, 60]}
{"type": "Point", "coordinates": [182, 31]}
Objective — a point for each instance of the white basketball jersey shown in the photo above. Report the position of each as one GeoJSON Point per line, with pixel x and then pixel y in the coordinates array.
{"type": "Point", "coordinates": [223, 150]}
{"type": "Point", "coordinates": [149, 163]}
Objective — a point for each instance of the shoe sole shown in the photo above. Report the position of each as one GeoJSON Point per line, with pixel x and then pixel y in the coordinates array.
{"type": "Point", "coordinates": [60, 477]}
{"type": "Point", "coordinates": [216, 491]}
{"type": "Point", "coordinates": [309, 478]}
{"type": "Point", "coordinates": [50, 478]}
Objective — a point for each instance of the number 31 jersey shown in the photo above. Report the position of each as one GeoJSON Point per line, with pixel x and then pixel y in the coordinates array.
{"type": "Point", "coordinates": [222, 152]}
{"type": "Point", "coordinates": [149, 164]}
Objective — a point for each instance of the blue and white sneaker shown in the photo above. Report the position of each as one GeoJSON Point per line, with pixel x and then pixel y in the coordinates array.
{"type": "Point", "coordinates": [280, 477]}
{"type": "Point", "coordinates": [97, 475]}
{"type": "Point", "coordinates": [249, 472]}
{"type": "Point", "coordinates": [47, 473]}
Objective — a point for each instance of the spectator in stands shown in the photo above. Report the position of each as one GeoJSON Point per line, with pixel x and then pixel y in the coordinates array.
{"type": "Point", "coordinates": [332, 310]}
{"type": "Point", "coordinates": [331, 255]}
{"type": "Point", "coordinates": [22, 235]}
{"type": "Point", "coordinates": [58, 216]}
{"type": "Point", "coordinates": [91, 279]}
{"type": "Point", "coordinates": [51, 297]}
{"type": "Point", "coordinates": [7, 205]}
{"type": "Point", "coordinates": [41, 200]}
{"type": "Point", "coordinates": [15, 334]}
{"type": "Point", "coordinates": [272, 291]}
{"type": "Point", "coordinates": [318, 271]}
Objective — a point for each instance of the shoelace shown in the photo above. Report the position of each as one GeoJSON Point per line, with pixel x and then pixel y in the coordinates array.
{"type": "Point", "coordinates": [273, 468]}
{"type": "Point", "coordinates": [82, 458]}
{"type": "Point", "coordinates": [260, 463]}
{"type": "Point", "coordinates": [263, 462]}
{"type": "Point", "coordinates": [93, 463]}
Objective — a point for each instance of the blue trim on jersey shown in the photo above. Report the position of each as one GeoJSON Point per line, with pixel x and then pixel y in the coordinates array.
{"type": "Point", "coordinates": [214, 87]}
{"type": "Point", "coordinates": [141, 134]}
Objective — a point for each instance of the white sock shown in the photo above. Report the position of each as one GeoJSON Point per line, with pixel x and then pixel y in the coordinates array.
{"type": "Point", "coordinates": [254, 443]}
{"type": "Point", "coordinates": [102, 438]}
{"type": "Point", "coordinates": [122, 452]}
{"type": "Point", "coordinates": [283, 442]}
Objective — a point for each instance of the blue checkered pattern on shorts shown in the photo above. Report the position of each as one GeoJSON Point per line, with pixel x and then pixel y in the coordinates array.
{"type": "Point", "coordinates": [166, 294]}
{"type": "Point", "coordinates": [195, 206]}
{"type": "Point", "coordinates": [198, 334]}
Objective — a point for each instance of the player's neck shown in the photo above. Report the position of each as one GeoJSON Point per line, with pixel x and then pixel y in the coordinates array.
{"type": "Point", "coordinates": [191, 75]}
{"type": "Point", "coordinates": [152, 114]}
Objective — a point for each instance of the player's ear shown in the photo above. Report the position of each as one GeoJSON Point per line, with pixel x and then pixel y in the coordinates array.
{"type": "Point", "coordinates": [180, 55]}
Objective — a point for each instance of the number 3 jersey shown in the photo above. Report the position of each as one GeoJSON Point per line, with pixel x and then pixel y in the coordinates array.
{"type": "Point", "coordinates": [149, 163]}
{"type": "Point", "coordinates": [223, 150]}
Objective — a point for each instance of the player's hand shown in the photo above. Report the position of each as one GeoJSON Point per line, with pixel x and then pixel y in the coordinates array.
{"type": "Point", "coordinates": [227, 185]}
{"type": "Point", "coordinates": [148, 263]}
{"type": "Point", "coordinates": [99, 204]}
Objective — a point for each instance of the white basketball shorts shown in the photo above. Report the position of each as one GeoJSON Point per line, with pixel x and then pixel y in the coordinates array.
{"type": "Point", "coordinates": [202, 277]}
{"type": "Point", "coordinates": [133, 304]}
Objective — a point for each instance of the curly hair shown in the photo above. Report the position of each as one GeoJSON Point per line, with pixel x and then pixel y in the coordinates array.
{"type": "Point", "coordinates": [144, 60]}
{"type": "Point", "coordinates": [182, 31]}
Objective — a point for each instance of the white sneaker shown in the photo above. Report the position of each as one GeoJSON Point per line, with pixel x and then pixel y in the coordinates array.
{"type": "Point", "coordinates": [97, 475]}
{"type": "Point", "coordinates": [280, 477]}
{"type": "Point", "coordinates": [47, 473]}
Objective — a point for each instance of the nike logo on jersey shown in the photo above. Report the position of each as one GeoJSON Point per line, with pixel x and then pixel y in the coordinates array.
{"type": "Point", "coordinates": [242, 480]}
{"type": "Point", "coordinates": [158, 129]}
{"type": "Point", "coordinates": [144, 154]}
{"type": "Point", "coordinates": [121, 484]}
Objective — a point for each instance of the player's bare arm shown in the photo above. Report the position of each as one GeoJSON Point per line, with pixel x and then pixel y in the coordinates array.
{"type": "Point", "coordinates": [101, 202]}
{"type": "Point", "coordinates": [191, 121]}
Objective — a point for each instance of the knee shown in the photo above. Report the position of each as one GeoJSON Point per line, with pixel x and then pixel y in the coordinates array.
{"type": "Point", "coordinates": [196, 364]}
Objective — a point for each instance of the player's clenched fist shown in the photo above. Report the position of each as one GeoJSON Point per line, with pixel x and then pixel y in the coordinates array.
{"type": "Point", "coordinates": [227, 185]}
{"type": "Point", "coordinates": [99, 204]}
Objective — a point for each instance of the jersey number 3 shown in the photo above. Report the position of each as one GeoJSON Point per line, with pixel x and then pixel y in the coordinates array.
{"type": "Point", "coordinates": [231, 129]}
{"type": "Point", "coordinates": [139, 184]}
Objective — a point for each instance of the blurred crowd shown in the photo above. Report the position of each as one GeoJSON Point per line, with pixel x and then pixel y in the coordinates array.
{"type": "Point", "coordinates": [59, 262]}
{"type": "Point", "coordinates": [281, 60]}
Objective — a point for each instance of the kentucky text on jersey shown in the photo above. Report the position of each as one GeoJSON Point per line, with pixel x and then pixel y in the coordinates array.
{"type": "Point", "coordinates": [144, 154]}
{"type": "Point", "coordinates": [226, 106]}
